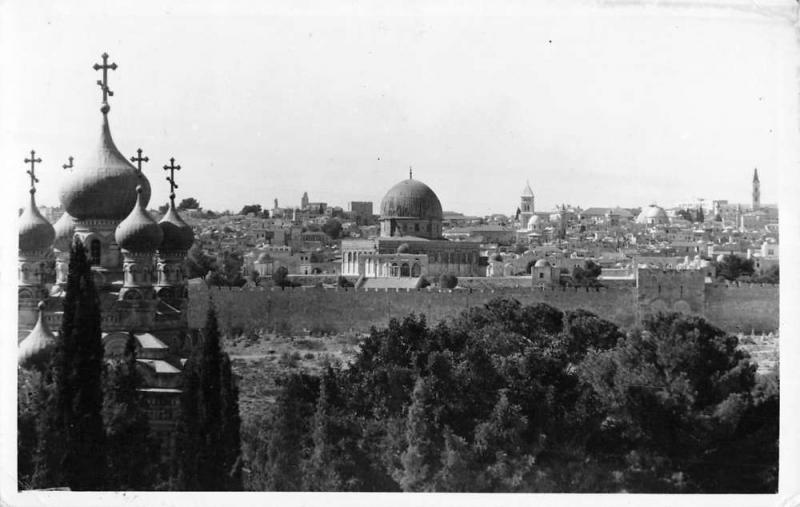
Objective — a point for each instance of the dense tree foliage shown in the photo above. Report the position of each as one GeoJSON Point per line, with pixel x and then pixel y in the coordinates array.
{"type": "Point", "coordinates": [251, 208]}
{"type": "Point", "coordinates": [227, 270]}
{"type": "Point", "coordinates": [132, 452]}
{"type": "Point", "coordinates": [508, 397]}
{"type": "Point", "coordinates": [198, 264]}
{"type": "Point", "coordinates": [732, 267]}
{"type": "Point", "coordinates": [188, 203]}
{"type": "Point", "coordinates": [71, 447]}
{"type": "Point", "coordinates": [333, 228]}
{"type": "Point", "coordinates": [586, 274]}
{"type": "Point", "coordinates": [208, 429]}
{"type": "Point", "coordinates": [448, 281]}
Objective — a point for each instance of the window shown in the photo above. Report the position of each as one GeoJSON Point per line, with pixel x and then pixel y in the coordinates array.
{"type": "Point", "coordinates": [94, 252]}
{"type": "Point", "coordinates": [416, 227]}
{"type": "Point", "coordinates": [541, 275]}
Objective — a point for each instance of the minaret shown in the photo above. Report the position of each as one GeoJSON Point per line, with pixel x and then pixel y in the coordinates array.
{"type": "Point", "coordinates": [138, 236]}
{"type": "Point", "coordinates": [756, 191]}
{"type": "Point", "coordinates": [304, 201]}
{"type": "Point", "coordinates": [35, 241]}
{"type": "Point", "coordinates": [178, 239]}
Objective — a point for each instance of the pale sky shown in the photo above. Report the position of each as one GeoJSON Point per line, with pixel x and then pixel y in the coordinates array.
{"type": "Point", "coordinates": [594, 104]}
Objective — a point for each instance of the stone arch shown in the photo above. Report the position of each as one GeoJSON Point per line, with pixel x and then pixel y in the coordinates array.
{"type": "Point", "coordinates": [114, 344]}
{"type": "Point", "coordinates": [405, 270]}
{"type": "Point", "coordinates": [416, 270]}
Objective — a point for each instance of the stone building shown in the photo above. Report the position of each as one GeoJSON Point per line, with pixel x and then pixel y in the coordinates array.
{"type": "Point", "coordinates": [526, 206]}
{"type": "Point", "coordinates": [410, 223]}
{"type": "Point", "coordinates": [137, 265]}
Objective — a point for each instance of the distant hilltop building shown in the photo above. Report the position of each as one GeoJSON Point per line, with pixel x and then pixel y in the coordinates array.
{"type": "Point", "coordinates": [410, 244]}
{"type": "Point", "coordinates": [136, 263]}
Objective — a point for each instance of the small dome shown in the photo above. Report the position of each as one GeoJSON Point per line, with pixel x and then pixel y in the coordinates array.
{"type": "Point", "coordinates": [403, 248]}
{"type": "Point", "coordinates": [652, 215]}
{"type": "Point", "coordinates": [35, 232]}
{"type": "Point", "coordinates": [139, 232]}
{"type": "Point", "coordinates": [178, 235]}
{"type": "Point", "coordinates": [103, 186]}
{"type": "Point", "coordinates": [534, 221]}
{"type": "Point", "coordinates": [35, 350]}
{"type": "Point", "coordinates": [721, 258]}
{"type": "Point", "coordinates": [263, 258]}
{"type": "Point", "coordinates": [411, 199]}
{"type": "Point", "coordinates": [65, 231]}
{"type": "Point", "coordinates": [541, 263]}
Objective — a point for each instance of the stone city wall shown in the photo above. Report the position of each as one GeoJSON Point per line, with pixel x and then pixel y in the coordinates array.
{"type": "Point", "coordinates": [303, 309]}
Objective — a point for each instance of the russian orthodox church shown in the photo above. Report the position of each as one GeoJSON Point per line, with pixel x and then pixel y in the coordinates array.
{"type": "Point", "coordinates": [137, 264]}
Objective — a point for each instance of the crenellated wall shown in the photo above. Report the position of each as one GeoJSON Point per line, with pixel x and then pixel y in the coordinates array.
{"type": "Point", "coordinates": [295, 310]}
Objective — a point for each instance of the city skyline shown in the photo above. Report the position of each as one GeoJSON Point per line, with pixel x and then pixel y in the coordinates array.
{"type": "Point", "coordinates": [680, 105]}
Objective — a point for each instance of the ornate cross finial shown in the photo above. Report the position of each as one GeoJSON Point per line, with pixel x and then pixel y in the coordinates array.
{"type": "Point", "coordinates": [104, 83]}
{"type": "Point", "coordinates": [69, 165]}
{"type": "Point", "coordinates": [171, 178]}
{"type": "Point", "coordinates": [139, 159]}
{"type": "Point", "coordinates": [410, 173]}
{"type": "Point", "coordinates": [32, 171]}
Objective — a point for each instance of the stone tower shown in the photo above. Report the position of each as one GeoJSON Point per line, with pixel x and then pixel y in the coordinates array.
{"type": "Point", "coordinates": [526, 205]}
{"type": "Point", "coordinates": [756, 191]}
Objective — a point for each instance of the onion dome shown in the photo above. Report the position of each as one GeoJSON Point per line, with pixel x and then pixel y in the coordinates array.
{"type": "Point", "coordinates": [139, 232]}
{"type": "Point", "coordinates": [35, 232]}
{"type": "Point", "coordinates": [541, 263]}
{"type": "Point", "coordinates": [35, 350]}
{"type": "Point", "coordinates": [65, 231]}
{"type": "Point", "coordinates": [411, 199]}
{"type": "Point", "coordinates": [178, 235]}
{"type": "Point", "coordinates": [103, 185]}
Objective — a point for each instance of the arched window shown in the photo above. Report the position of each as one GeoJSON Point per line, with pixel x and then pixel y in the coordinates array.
{"type": "Point", "coordinates": [394, 270]}
{"type": "Point", "coordinates": [416, 227]}
{"type": "Point", "coordinates": [94, 251]}
{"type": "Point", "coordinates": [405, 270]}
{"type": "Point", "coordinates": [416, 270]}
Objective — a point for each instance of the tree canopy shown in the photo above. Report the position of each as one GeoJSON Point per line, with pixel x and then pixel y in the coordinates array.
{"type": "Point", "coordinates": [507, 397]}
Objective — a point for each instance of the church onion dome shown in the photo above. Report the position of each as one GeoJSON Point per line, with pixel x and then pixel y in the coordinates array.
{"type": "Point", "coordinates": [35, 350]}
{"type": "Point", "coordinates": [35, 232]}
{"type": "Point", "coordinates": [139, 232]}
{"type": "Point", "coordinates": [65, 230]}
{"type": "Point", "coordinates": [178, 235]}
{"type": "Point", "coordinates": [411, 199]}
{"type": "Point", "coordinates": [103, 185]}
{"type": "Point", "coordinates": [541, 263]}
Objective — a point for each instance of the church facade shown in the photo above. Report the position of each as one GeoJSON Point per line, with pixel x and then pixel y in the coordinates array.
{"type": "Point", "coordinates": [136, 262]}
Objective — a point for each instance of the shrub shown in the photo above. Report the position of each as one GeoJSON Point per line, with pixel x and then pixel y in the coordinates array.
{"type": "Point", "coordinates": [448, 281]}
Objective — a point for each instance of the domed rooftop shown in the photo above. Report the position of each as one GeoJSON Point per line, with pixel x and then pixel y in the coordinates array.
{"type": "Point", "coordinates": [139, 232]}
{"type": "Point", "coordinates": [103, 185]}
{"type": "Point", "coordinates": [534, 221]}
{"type": "Point", "coordinates": [35, 232]}
{"type": "Point", "coordinates": [178, 235]}
{"type": "Point", "coordinates": [652, 215]}
{"type": "Point", "coordinates": [541, 263]}
{"type": "Point", "coordinates": [411, 199]}
{"type": "Point", "coordinates": [263, 258]}
{"type": "Point", "coordinates": [65, 230]}
{"type": "Point", "coordinates": [35, 350]}
{"type": "Point", "coordinates": [403, 248]}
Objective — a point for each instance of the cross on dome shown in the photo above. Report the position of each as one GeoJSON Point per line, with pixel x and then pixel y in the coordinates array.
{"type": "Point", "coordinates": [32, 171]}
{"type": "Point", "coordinates": [68, 165]}
{"type": "Point", "coordinates": [410, 173]}
{"type": "Point", "coordinates": [104, 82]}
{"type": "Point", "coordinates": [171, 178]}
{"type": "Point", "coordinates": [139, 159]}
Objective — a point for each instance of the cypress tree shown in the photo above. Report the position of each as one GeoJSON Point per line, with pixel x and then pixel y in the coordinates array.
{"type": "Point", "coordinates": [209, 435]}
{"type": "Point", "coordinates": [71, 450]}
{"type": "Point", "coordinates": [130, 447]}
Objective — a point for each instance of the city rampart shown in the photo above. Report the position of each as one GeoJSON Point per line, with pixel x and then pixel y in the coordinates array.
{"type": "Point", "coordinates": [316, 309]}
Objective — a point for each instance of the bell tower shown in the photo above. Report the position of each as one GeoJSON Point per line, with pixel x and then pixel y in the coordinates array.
{"type": "Point", "coordinates": [756, 191]}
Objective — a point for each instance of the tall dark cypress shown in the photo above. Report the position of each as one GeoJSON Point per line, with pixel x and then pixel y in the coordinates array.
{"type": "Point", "coordinates": [209, 435]}
{"type": "Point", "coordinates": [71, 449]}
{"type": "Point", "coordinates": [131, 449]}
